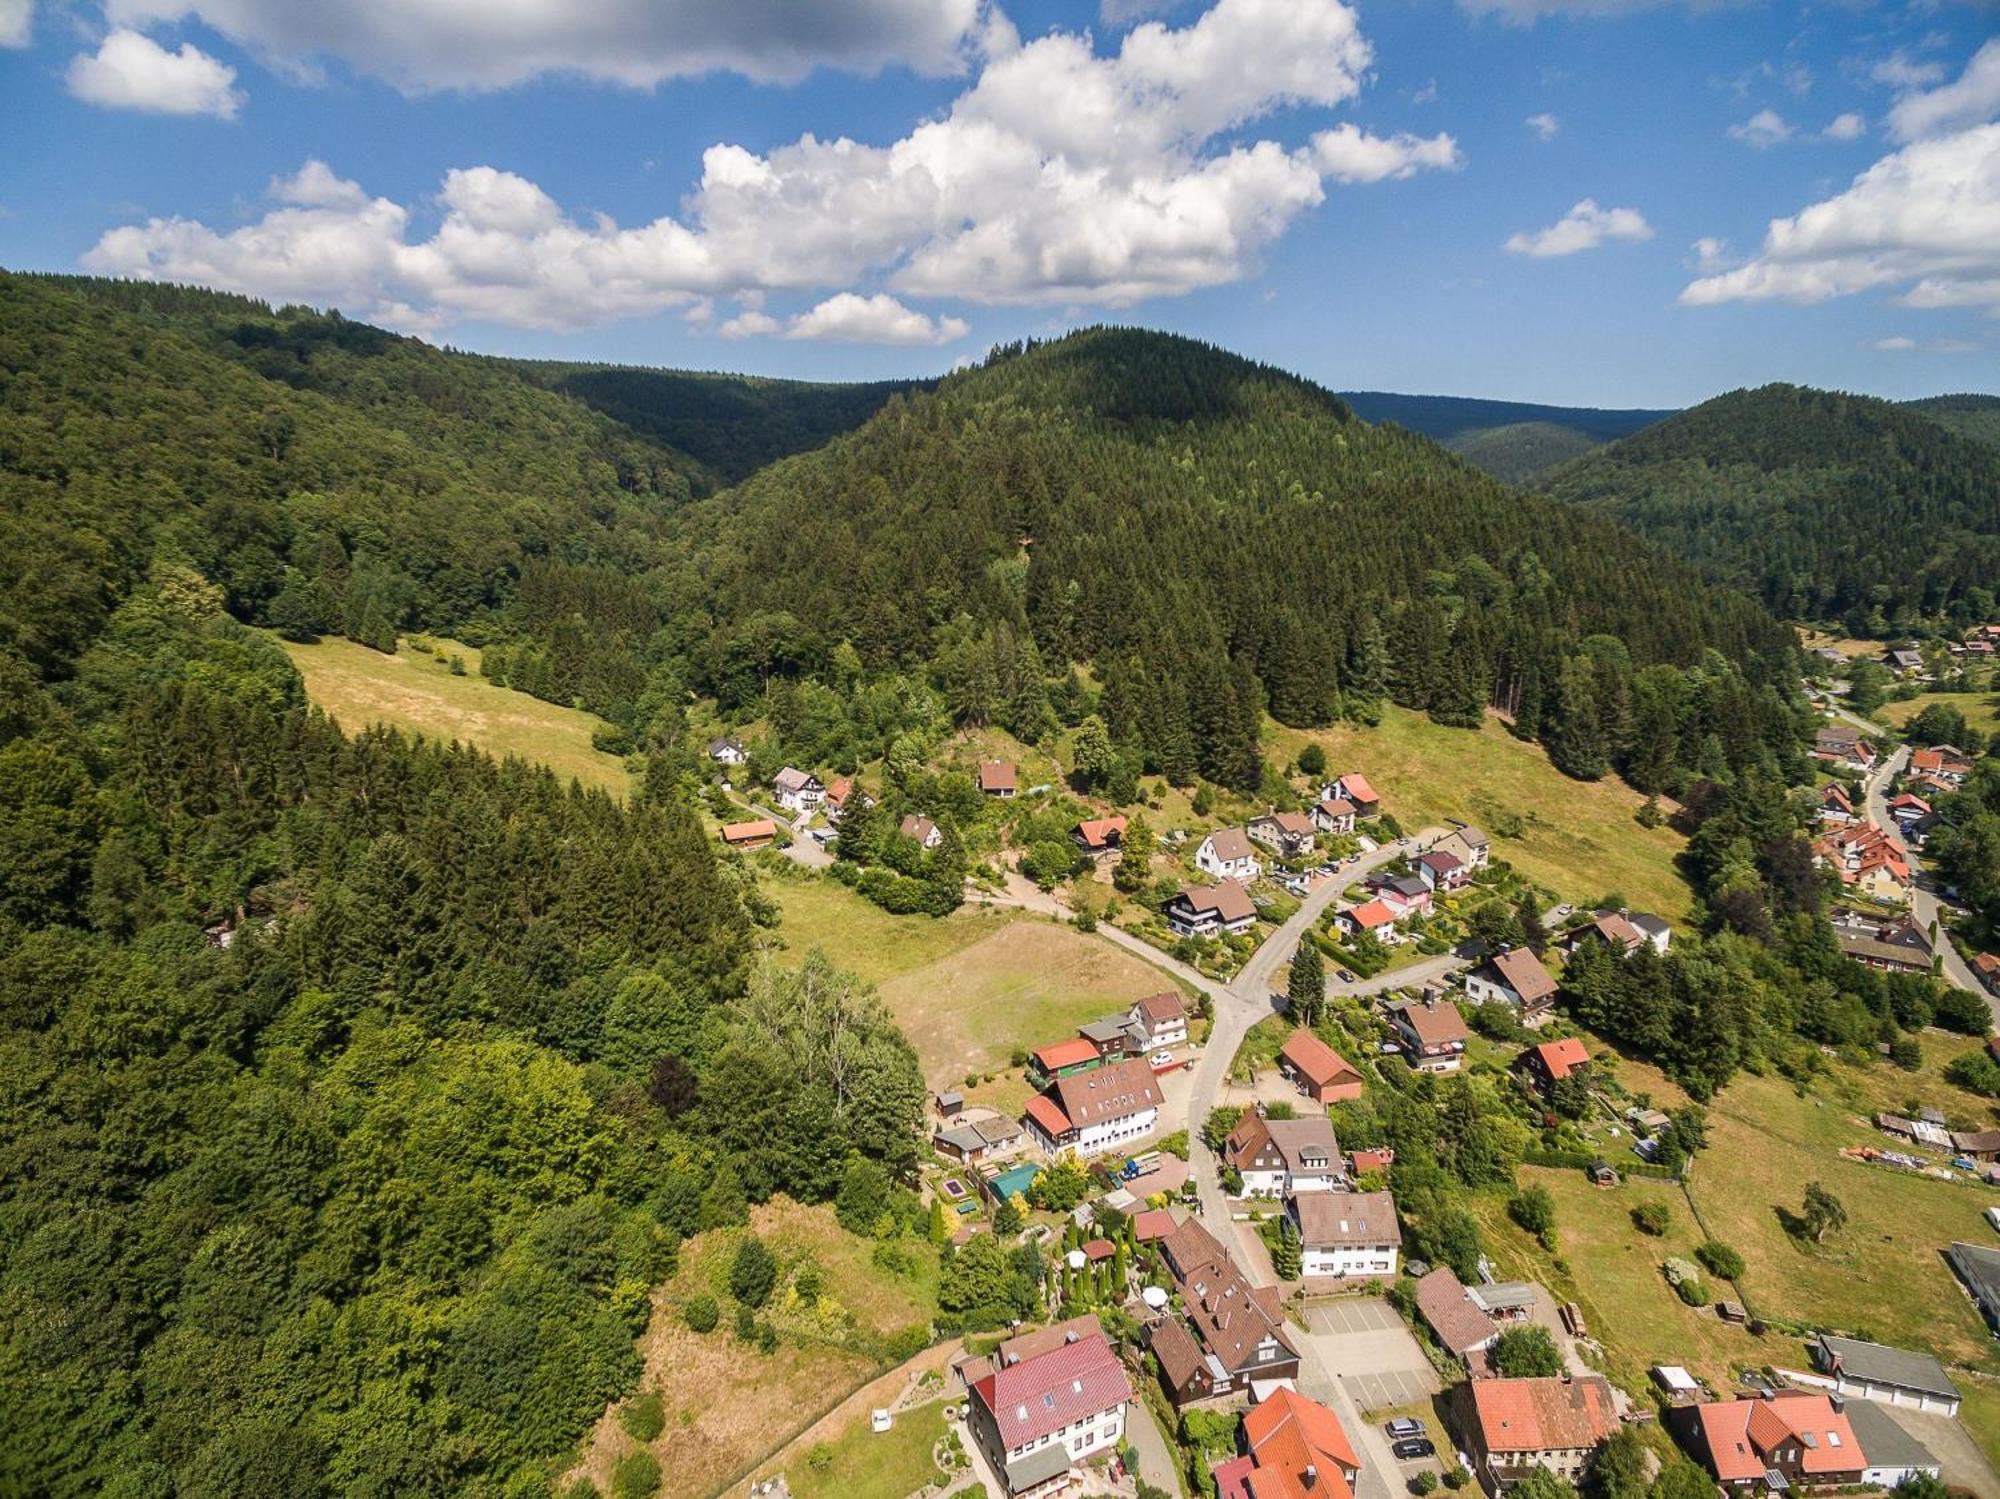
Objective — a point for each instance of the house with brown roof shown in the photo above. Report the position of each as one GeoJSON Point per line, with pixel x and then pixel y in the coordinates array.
{"type": "Point", "coordinates": [1613, 930]}
{"type": "Point", "coordinates": [1543, 1066]}
{"type": "Point", "coordinates": [1470, 845]}
{"type": "Point", "coordinates": [1944, 762]}
{"type": "Point", "coordinates": [1460, 1327]}
{"type": "Point", "coordinates": [1557, 1423]}
{"type": "Point", "coordinates": [925, 833]}
{"type": "Point", "coordinates": [1290, 833]}
{"type": "Point", "coordinates": [1096, 837]}
{"type": "Point", "coordinates": [1297, 1449]}
{"type": "Point", "coordinates": [1898, 946]}
{"type": "Point", "coordinates": [1353, 788]}
{"type": "Point", "coordinates": [1226, 854]}
{"type": "Point", "coordinates": [761, 833]}
{"type": "Point", "coordinates": [1038, 1418]}
{"type": "Point", "coordinates": [1440, 869]}
{"type": "Point", "coordinates": [1431, 1032]}
{"type": "Point", "coordinates": [1835, 805]}
{"type": "Point", "coordinates": [1333, 815]}
{"type": "Point", "coordinates": [996, 778]}
{"type": "Point", "coordinates": [1231, 1334]}
{"type": "Point", "coordinates": [1346, 1234]}
{"type": "Point", "coordinates": [1278, 1157]}
{"type": "Point", "coordinates": [1109, 1108]}
{"type": "Point", "coordinates": [1802, 1436]}
{"type": "Point", "coordinates": [1150, 1225]}
{"type": "Point", "coordinates": [1159, 1019]}
{"type": "Point", "coordinates": [1986, 966]}
{"type": "Point", "coordinates": [1515, 977]}
{"type": "Point", "coordinates": [1319, 1072]}
{"type": "Point", "coordinates": [1841, 745]}
{"type": "Point", "coordinates": [1210, 910]}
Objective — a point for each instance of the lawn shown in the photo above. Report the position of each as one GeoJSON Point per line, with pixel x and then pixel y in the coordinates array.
{"type": "Point", "coordinates": [862, 1463]}
{"type": "Point", "coordinates": [1981, 709]}
{"type": "Point", "coordinates": [417, 693]}
{"type": "Point", "coordinates": [863, 938]}
{"type": "Point", "coordinates": [1577, 838]}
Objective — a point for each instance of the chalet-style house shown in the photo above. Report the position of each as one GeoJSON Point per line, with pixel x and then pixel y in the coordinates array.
{"type": "Point", "coordinates": [1226, 854]}
{"type": "Point", "coordinates": [1898, 946]}
{"type": "Point", "coordinates": [1210, 910]}
{"type": "Point", "coordinates": [1543, 1066]}
{"type": "Point", "coordinates": [997, 778]}
{"type": "Point", "coordinates": [1333, 815]}
{"type": "Point", "coordinates": [1836, 807]}
{"type": "Point", "coordinates": [1036, 1419]}
{"type": "Point", "coordinates": [1943, 762]}
{"type": "Point", "coordinates": [1098, 836]}
{"type": "Point", "coordinates": [760, 833]}
{"type": "Point", "coordinates": [1370, 916]}
{"type": "Point", "coordinates": [1109, 1108]}
{"type": "Point", "coordinates": [1613, 930]}
{"type": "Point", "coordinates": [1232, 1337]}
{"type": "Point", "coordinates": [1317, 1070]}
{"type": "Point", "coordinates": [1432, 1033]}
{"type": "Point", "coordinates": [1868, 860]}
{"type": "Point", "coordinates": [1405, 895]}
{"type": "Point", "coordinates": [925, 833]}
{"type": "Point", "coordinates": [1159, 1020]}
{"type": "Point", "coordinates": [1469, 845]}
{"type": "Point", "coordinates": [797, 790]}
{"type": "Point", "coordinates": [840, 795]}
{"type": "Point", "coordinates": [1894, 1376]}
{"type": "Point", "coordinates": [1063, 1059]}
{"type": "Point", "coordinates": [1352, 788]}
{"type": "Point", "coordinates": [1344, 1234]}
{"type": "Point", "coordinates": [1904, 661]}
{"type": "Point", "coordinates": [1440, 869]}
{"type": "Point", "coordinates": [1515, 977]}
{"type": "Point", "coordinates": [1557, 1423]}
{"type": "Point", "coordinates": [1280, 1157]}
{"type": "Point", "coordinates": [1292, 834]}
{"type": "Point", "coordinates": [1800, 1438]}
{"type": "Point", "coordinates": [727, 751]}
{"type": "Point", "coordinates": [1459, 1325]}
{"type": "Point", "coordinates": [1294, 1448]}
{"type": "Point", "coordinates": [1841, 745]}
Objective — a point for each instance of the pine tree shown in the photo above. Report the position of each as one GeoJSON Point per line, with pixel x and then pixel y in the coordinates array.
{"type": "Point", "coordinates": [1305, 993]}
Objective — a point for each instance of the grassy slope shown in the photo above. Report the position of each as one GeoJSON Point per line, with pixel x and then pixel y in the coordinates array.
{"type": "Point", "coordinates": [1580, 839]}
{"type": "Point", "coordinates": [1981, 709]}
{"type": "Point", "coordinates": [415, 692]}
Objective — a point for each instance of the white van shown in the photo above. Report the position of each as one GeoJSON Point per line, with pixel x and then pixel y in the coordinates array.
{"type": "Point", "coordinates": [1993, 1217]}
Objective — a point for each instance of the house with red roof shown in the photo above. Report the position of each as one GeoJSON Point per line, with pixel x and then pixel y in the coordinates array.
{"type": "Point", "coordinates": [1096, 837]}
{"type": "Point", "coordinates": [1944, 762]}
{"type": "Point", "coordinates": [1370, 916]}
{"type": "Point", "coordinates": [1987, 966]}
{"type": "Point", "coordinates": [761, 833]}
{"type": "Point", "coordinates": [1868, 860]}
{"type": "Point", "coordinates": [1094, 1112]}
{"type": "Point", "coordinates": [1556, 1423]}
{"type": "Point", "coordinates": [997, 778]}
{"type": "Point", "coordinates": [1317, 1070]}
{"type": "Point", "coordinates": [1036, 1419]}
{"type": "Point", "coordinates": [1802, 1436]}
{"type": "Point", "coordinates": [1546, 1065]}
{"type": "Point", "coordinates": [1835, 805]}
{"type": "Point", "coordinates": [1061, 1058]}
{"type": "Point", "coordinates": [1150, 1225]}
{"type": "Point", "coordinates": [1297, 1450]}
{"type": "Point", "coordinates": [1354, 789]}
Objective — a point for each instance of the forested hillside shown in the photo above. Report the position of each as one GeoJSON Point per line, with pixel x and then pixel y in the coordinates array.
{"type": "Point", "coordinates": [1973, 416]}
{"type": "Point", "coordinates": [1832, 508]}
{"type": "Point", "coordinates": [1512, 440]}
{"type": "Point", "coordinates": [1217, 538]}
{"type": "Point", "coordinates": [732, 424]}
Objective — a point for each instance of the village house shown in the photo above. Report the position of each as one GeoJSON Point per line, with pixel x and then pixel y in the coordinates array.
{"type": "Point", "coordinates": [1294, 1448]}
{"type": "Point", "coordinates": [1206, 910]}
{"type": "Point", "coordinates": [996, 778]}
{"type": "Point", "coordinates": [1874, 1371]}
{"type": "Point", "coordinates": [1546, 1065]}
{"type": "Point", "coordinates": [1515, 977]}
{"type": "Point", "coordinates": [1352, 788]}
{"type": "Point", "coordinates": [1317, 1070]}
{"type": "Point", "coordinates": [1836, 807]}
{"type": "Point", "coordinates": [925, 833]}
{"type": "Point", "coordinates": [977, 1140]}
{"type": "Point", "coordinates": [1225, 854]}
{"type": "Point", "coordinates": [1333, 815]}
{"type": "Point", "coordinates": [1905, 809]}
{"type": "Point", "coordinates": [1432, 1033]}
{"type": "Point", "coordinates": [1098, 836]}
{"type": "Point", "coordinates": [1978, 1268]}
{"type": "Point", "coordinates": [839, 794]}
{"type": "Point", "coordinates": [1292, 834]}
{"type": "Point", "coordinates": [1160, 1020]}
{"type": "Point", "coordinates": [1800, 1437]}
{"type": "Point", "coordinates": [1442, 870]}
{"type": "Point", "coordinates": [1659, 936]}
{"type": "Point", "coordinates": [1613, 930]}
{"type": "Point", "coordinates": [1111, 1035]}
{"type": "Point", "coordinates": [1344, 1234]}
{"type": "Point", "coordinates": [1037, 1419]}
{"type": "Point", "coordinates": [1469, 846]}
{"type": "Point", "coordinates": [1557, 1423]}
{"type": "Point", "coordinates": [1461, 1328]}
{"type": "Point", "coordinates": [1372, 1158]}
{"type": "Point", "coordinates": [1280, 1157]}
{"type": "Point", "coordinates": [1110, 1108]}
{"type": "Point", "coordinates": [761, 833]}
{"type": "Point", "coordinates": [1891, 1455]}
{"type": "Point", "coordinates": [1868, 860]}
{"type": "Point", "coordinates": [727, 751]}
{"type": "Point", "coordinates": [1942, 762]}
{"type": "Point", "coordinates": [1406, 895]}
{"type": "Point", "coordinates": [1898, 946]}
{"type": "Point", "coordinates": [1370, 916]}
{"type": "Point", "coordinates": [1061, 1059]}
{"type": "Point", "coordinates": [1233, 1337]}
{"type": "Point", "coordinates": [1841, 745]}
{"type": "Point", "coordinates": [797, 790]}
{"type": "Point", "coordinates": [1986, 966]}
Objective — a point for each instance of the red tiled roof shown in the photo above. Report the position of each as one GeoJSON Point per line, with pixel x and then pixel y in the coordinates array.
{"type": "Point", "coordinates": [1826, 1442]}
{"type": "Point", "coordinates": [1543, 1415]}
{"type": "Point", "coordinates": [996, 775]}
{"type": "Point", "coordinates": [1315, 1060]}
{"type": "Point", "coordinates": [1369, 915]}
{"type": "Point", "coordinates": [1373, 1158]}
{"type": "Point", "coordinates": [1040, 1340]}
{"type": "Point", "coordinates": [840, 790]}
{"type": "Point", "coordinates": [1166, 1005]}
{"type": "Point", "coordinates": [1099, 1249]}
{"type": "Point", "coordinates": [1724, 1431]}
{"type": "Point", "coordinates": [1357, 788]}
{"type": "Point", "coordinates": [1039, 1396]}
{"type": "Point", "coordinates": [1068, 1053]}
{"type": "Point", "coordinates": [1561, 1058]}
{"type": "Point", "coordinates": [1109, 1092]}
{"type": "Point", "coordinates": [1288, 1434]}
{"type": "Point", "coordinates": [1046, 1113]}
{"type": "Point", "coordinates": [1152, 1223]}
{"type": "Point", "coordinates": [744, 832]}
{"type": "Point", "coordinates": [1096, 832]}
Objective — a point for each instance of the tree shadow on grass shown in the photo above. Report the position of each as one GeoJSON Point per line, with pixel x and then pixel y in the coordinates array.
{"type": "Point", "coordinates": [1794, 1226]}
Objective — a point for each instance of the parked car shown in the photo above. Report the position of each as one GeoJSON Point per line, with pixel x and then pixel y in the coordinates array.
{"type": "Point", "coordinates": [1412, 1448]}
{"type": "Point", "coordinates": [1346, 975]}
{"type": "Point", "coordinates": [1404, 1426]}
{"type": "Point", "coordinates": [1163, 1059]}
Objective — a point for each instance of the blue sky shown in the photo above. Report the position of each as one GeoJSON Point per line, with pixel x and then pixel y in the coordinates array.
{"type": "Point", "coordinates": [1560, 200]}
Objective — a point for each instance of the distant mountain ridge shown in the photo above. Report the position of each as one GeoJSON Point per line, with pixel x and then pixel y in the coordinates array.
{"type": "Point", "coordinates": [1515, 441]}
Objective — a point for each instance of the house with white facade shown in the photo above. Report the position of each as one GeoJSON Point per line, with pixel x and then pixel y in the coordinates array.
{"type": "Point", "coordinates": [797, 790]}
{"type": "Point", "coordinates": [1108, 1108]}
{"type": "Point", "coordinates": [1159, 1019]}
{"type": "Point", "coordinates": [1036, 1420]}
{"type": "Point", "coordinates": [1226, 854]}
{"type": "Point", "coordinates": [1283, 1157]}
{"type": "Point", "coordinates": [1210, 910]}
{"type": "Point", "coordinates": [1346, 1233]}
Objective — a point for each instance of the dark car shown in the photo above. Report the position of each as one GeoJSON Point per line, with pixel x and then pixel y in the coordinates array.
{"type": "Point", "coordinates": [1346, 977]}
{"type": "Point", "coordinates": [1414, 1447]}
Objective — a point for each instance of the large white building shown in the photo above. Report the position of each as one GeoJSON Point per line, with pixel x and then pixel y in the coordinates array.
{"type": "Point", "coordinates": [1347, 1233]}
{"type": "Point", "coordinates": [1109, 1108]}
{"type": "Point", "coordinates": [1036, 1419]}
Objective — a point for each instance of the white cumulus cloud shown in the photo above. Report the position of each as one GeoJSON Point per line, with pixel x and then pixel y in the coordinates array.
{"type": "Point", "coordinates": [1845, 127]}
{"type": "Point", "coordinates": [1973, 97]}
{"type": "Point", "coordinates": [1925, 219]}
{"type": "Point", "coordinates": [17, 22]}
{"type": "Point", "coordinates": [1584, 227]}
{"type": "Point", "coordinates": [1058, 176]}
{"type": "Point", "coordinates": [132, 71]}
{"type": "Point", "coordinates": [880, 319]}
{"type": "Point", "coordinates": [1544, 125]}
{"type": "Point", "coordinates": [1764, 129]}
{"type": "Point", "coordinates": [422, 45]}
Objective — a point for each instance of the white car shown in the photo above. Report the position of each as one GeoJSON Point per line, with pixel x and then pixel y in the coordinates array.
{"type": "Point", "coordinates": [1163, 1059]}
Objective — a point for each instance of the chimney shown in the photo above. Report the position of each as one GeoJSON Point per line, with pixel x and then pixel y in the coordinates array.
{"type": "Point", "coordinates": [1311, 1475]}
{"type": "Point", "coordinates": [1070, 1336]}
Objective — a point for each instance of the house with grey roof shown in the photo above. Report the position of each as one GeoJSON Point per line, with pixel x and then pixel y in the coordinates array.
{"type": "Point", "coordinates": [1875, 1371]}
{"type": "Point", "coordinates": [1978, 1268]}
{"type": "Point", "coordinates": [1890, 1456]}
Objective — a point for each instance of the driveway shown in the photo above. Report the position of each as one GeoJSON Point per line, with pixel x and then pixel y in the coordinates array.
{"type": "Point", "coordinates": [1380, 1365]}
{"type": "Point", "coordinates": [1952, 1445]}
